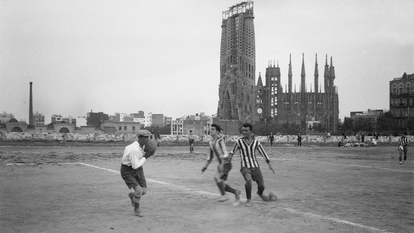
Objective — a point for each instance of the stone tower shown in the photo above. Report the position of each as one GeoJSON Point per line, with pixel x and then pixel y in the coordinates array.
{"type": "Point", "coordinates": [237, 90]}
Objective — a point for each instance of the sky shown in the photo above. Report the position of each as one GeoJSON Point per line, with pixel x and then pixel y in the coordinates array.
{"type": "Point", "coordinates": [163, 56]}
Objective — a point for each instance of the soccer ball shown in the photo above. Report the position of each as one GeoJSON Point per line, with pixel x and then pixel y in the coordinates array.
{"type": "Point", "coordinates": [272, 197]}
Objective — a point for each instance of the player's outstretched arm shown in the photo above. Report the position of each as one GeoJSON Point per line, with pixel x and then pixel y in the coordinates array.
{"type": "Point", "coordinates": [235, 148]}
{"type": "Point", "coordinates": [270, 167]}
{"type": "Point", "coordinates": [205, 166]}
{"type": "Point", "coordinates": [229, 157]}
{"type": "Point", "coordinates": [210, 158]}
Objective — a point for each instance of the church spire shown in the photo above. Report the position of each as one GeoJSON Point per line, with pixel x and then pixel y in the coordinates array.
{"type": "Point", "coordinates": [316, 73]}
{"type": "Point", "coordinates": [290, 73]}
{"type": "Point", "coordinates": [303, 65]}
{"type": "Point", "coordinates": [326, 75]}
{"type": "Point", "coordinates": [259, 82]}
{"type": "Point", "coordinates": [303, 75]}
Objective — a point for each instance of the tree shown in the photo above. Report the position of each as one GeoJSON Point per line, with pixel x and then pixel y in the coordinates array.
{"type": "Point", "coordinates": [7, 115]}
{"type": "Point", "coordinates": [348, 124]}
{"type": "Point", "coordinates": [385, 122]}
{"type": "Point", "coordinates": [318, 127]}
{"type": "Point", "coordinates": [362, 124]}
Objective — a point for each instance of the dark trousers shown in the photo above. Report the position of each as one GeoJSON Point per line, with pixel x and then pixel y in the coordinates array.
{"type": "Point", "coordinates": [134, 178]}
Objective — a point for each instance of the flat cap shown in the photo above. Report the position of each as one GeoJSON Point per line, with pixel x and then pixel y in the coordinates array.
{"type": "Point", "coordinates": [143, 133]}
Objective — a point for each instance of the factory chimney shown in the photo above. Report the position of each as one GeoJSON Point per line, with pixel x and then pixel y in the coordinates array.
{"type": "Point", "coordinates": [31, 117]}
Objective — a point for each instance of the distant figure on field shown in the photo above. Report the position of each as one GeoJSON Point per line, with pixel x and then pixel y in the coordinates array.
{"type": "Point", "coordinates": [376, 136]}
{"type": "Point", "coordinates": [191, 140]}
{"type": "Point", "coordinates": [299, 139]}
{"type": "Point", "coordinates": [402, 148]}
{"type": "Point", "coordinates": [271, 138]}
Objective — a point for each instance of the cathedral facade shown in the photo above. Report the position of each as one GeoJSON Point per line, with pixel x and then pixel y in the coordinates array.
{"type": "Point", "coordinates": [240, 99]}
{"type": "Point", "coordinates": [304, 107]}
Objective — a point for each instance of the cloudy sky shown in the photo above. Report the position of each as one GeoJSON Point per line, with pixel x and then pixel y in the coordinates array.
{"type": "Point", "coordinates": [163, 56]}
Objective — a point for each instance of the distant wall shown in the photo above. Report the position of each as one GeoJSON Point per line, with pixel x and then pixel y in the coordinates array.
{"type": "Point", "coordinates": [95, 137]}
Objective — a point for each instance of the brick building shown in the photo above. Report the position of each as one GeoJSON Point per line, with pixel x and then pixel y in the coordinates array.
{"type": "Point", "coordinates": [402, 99]}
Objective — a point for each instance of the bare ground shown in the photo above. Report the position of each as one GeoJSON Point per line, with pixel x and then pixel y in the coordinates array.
{"type": "Point", "coordinates": [320, 189]}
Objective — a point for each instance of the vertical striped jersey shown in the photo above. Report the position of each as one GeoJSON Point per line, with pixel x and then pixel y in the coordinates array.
{"type": "Point", "coordinates": [403, 141]}
{"type": "Point", "coordinates": [218, 148]}
{"type": "Point", "coordinates": [247, 152]}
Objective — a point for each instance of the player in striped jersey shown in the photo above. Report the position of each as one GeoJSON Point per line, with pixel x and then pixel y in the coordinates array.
{"type": "Point", "coordinates": [219, 150]}
{"type": "Point", "coordinates": [250, 168]}
{"type": "Point", "coordinates": [402, 148]}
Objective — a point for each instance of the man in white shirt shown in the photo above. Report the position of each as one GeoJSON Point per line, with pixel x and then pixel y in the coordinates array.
{"type": "Point", "coordinates": [132, 172]}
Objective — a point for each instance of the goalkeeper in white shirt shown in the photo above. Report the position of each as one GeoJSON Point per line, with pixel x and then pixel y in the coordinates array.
{"type": "Point", "coordinates": [132, 171]}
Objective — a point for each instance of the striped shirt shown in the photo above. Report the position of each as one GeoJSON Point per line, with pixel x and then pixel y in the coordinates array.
{"type": "Point", "coordinates": [218, 148]}
{"type": "Point", "coordinates": [247, 152]}
{"type": "Point", "coordinates": [403, 141]}
{"type": "Point", "coordinates": [191, 137]}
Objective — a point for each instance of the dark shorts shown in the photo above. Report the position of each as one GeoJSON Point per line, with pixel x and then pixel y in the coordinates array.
{"type": "Point", "coordinates": [223, 175]}
{"type": "Point", "coordinates": [133, 177]}
{"type": "Point", "coordinates": [405, 147]}
{"type": "Point", "coordinates": [255, 173]}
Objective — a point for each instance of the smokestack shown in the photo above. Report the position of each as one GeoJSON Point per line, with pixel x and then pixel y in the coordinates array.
{"type": "Point", "coordinates": [31, 117]}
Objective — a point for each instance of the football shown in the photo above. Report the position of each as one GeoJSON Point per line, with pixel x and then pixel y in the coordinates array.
{"type": "Point", "coordinates": [272, 197]}
{"type": "Point", "coordinates": [151, 147]}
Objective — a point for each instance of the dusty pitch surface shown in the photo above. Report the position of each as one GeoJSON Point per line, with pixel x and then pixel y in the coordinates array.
{"type": "Point", "coordinates": [320, 189]}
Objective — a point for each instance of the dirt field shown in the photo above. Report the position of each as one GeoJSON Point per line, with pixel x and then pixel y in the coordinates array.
{"type": "Point", "coordinates": [320, 189]}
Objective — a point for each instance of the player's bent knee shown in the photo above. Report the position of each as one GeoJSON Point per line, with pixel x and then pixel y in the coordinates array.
{"type": "Point", "coordinates": [138, 192]}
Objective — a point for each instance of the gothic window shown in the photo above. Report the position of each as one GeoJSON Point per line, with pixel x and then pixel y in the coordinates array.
{"type": "Point", "coordinates": [400, 89]}
{"type": "Point", "coordinates": [394, 88]}
{"type": "Point", "coordinates": [408, 88]}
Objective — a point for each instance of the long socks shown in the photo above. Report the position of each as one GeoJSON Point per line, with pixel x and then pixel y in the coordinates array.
{"type": "Point", "coordinates": [248, 187]}
{"type": "Point", "coordinates": [220, 185]}
{"type": "Point", "coordinates": [260, 190]}
{"type": "Point", "coordinates": [229, 189]}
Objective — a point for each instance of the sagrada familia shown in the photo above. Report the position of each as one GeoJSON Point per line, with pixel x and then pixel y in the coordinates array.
{"type": "Point", "coordinates": [240, 98]}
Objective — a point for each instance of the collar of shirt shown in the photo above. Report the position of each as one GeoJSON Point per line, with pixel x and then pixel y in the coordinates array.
{"type": "Point", "coordinates": [133, 149]}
